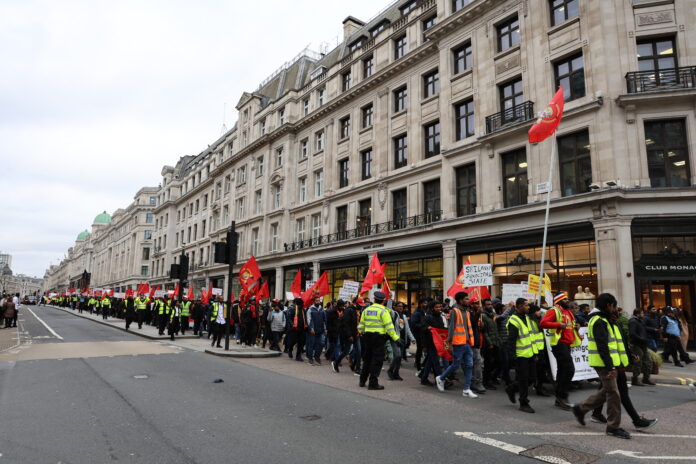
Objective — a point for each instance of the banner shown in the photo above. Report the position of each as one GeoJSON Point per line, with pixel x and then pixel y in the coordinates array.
{"type": "Point", "coordinates": [477, 275]}
{"type": "Point", "coordinates": [580, 355]}
{"type": "Point", "coordinates": [512, 292]}
{"type": "Point", "coordinates": [121, 295]}
{"type": "Point", "coordinates": [439, 337]}
{"type": "Point", "coordinates": [217, 291]}
{"type": "Point", "coordinates": [159, 293]}
{"type": "Point", "coordinates": [351, 287]}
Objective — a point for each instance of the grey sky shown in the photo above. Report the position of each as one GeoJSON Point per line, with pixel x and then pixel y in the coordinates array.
{"type": "Point", "coordinates": [96, 96]}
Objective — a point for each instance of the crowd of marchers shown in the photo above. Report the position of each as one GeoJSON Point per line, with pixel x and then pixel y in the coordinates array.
{"type": "Point", "coordinates": [475, 344]}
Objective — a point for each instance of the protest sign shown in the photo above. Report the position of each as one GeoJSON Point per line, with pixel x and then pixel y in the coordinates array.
{"type": "Point", "coordinates": [477, 275]}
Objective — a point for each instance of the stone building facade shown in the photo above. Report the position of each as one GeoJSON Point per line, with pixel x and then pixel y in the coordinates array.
{"type": "Point", "coordinates": [410, 139]}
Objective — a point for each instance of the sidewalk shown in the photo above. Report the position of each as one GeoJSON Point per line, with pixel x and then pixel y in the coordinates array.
{"type": "Point", "coordinates": [9, 338]}
{"type": "Point", "coordinates": [188, 341]}
{"type": "Point", "coordinates": [672, 375]}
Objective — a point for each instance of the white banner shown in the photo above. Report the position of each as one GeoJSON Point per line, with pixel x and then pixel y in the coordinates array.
{"type": "Point", "coordinates": [159, 293]}
{"type": "Point", "coordinates": [580, 355]}
{"type": "Point", "coordinates": [345, 295]}
{"type": "Point", "coordinates": [477, 275]}
{"type": "Point", "coordinates": [119, 295]}
{"type": "Point", "coordinates": [351, 287]}
{"type": "Point", "coordinates": [512, 292]}
{"type": "Point", "coordinates": [309, 284]}
{"type": "Point", "coordinates": [289, 296]}
{"type": "Point", "coordinates": [217, 291]}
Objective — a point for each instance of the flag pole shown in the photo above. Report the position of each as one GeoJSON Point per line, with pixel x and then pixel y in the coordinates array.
{"type": "Point", "coordinates": [554, 148]}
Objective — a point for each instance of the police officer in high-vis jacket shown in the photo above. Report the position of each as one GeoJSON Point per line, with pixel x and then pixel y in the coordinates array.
{"type": "Point", "coordinates": [185, 313]}
{"type": "Point", "coordinates": [376, 328]}
{"type": "Point", "coordinates": [141, 309]}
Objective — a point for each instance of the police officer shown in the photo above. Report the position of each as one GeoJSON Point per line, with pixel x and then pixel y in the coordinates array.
{"type": "Point", "coordinates": [185, 313]}
{"type": "Point", "coordinates": [141, 309]}
{"type": "Point", "coordinates": [522, 343]}
{"type": "Point", "coordinates": [174, 319]}
{"type": "Point", "coordinates": [376, 328]}
{"type": "Point", "coordinates": [163, 312]}
{"type": "Point", "coordinates": [105, 307]}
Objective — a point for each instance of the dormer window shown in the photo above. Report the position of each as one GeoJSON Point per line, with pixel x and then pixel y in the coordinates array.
{"type": "Point", "coordinates": [356, 44]}
{"type": "Point", "coordinates": [379, 28]}
{"type": "Point", "coordinates": [409, 7]}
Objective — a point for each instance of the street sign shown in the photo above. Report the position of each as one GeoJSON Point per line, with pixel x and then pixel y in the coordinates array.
{"type": "Point", "coordinates": [543, 187]}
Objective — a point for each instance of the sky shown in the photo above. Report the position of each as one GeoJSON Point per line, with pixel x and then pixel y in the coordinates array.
{"type": "Point", "coordinates": [96, 96]}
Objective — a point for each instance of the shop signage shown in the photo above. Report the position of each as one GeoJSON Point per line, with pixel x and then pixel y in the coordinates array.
{"type": "Point", "coordinates": [672, 262]}
{"type": "Point", "coordinates": [370, 247]}
{"type": "Point", "coordinates": [543, 187]}
{"type": "Point", "coordinates": [477, 275]}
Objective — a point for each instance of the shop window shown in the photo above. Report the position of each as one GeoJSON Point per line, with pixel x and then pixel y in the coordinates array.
{"type": "Point", "coordinates": [575, 163]}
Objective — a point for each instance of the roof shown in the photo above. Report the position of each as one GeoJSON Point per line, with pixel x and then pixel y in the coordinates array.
{"type": "Point", "coordinates": [83, 235]}
{"type": "Point", "coordinates": [102, 218]}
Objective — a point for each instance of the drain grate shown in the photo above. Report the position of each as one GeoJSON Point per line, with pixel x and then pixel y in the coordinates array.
{"type": "Point", "coordinates": [559, 455]}
{"type": "Point", "coordinates": [311, 418]}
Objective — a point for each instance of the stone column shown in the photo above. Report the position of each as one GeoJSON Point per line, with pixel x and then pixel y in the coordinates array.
{"type": "Point", "coordinates": [280, 283]}
{"type": "Point", "coordinates": [449, 264]}
{"type": "Point", "coordinates": [315, 270]}
{"type": "Point", "coordinates": [615, 259]}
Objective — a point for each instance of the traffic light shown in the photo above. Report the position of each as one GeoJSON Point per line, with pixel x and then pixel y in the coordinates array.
{"type": "Point", "coordinates": [232, 239]}
{"type": "Point", "coordinates": [183, 267]}
{"type": "Point", "coordinates": [174, 271]}
{"type": "Point", "coordinates": [221, 253]}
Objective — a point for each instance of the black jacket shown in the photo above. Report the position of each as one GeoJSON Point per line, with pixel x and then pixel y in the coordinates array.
{"type": "Point", "coordinates": [431, 320]}
{"type": "Point", "coordinates": [417, 323]}
{"type": "Point", "coordinates": [652, 325]}
{"type": "Point", "coordinates": [637, 332]}
{"type": "Point", "coordinates": [332, 323]}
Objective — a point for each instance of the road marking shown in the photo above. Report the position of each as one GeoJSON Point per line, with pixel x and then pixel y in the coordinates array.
{"type": "Point", "coordinates": [637, 455]}
{"type": "Point", "coordinates": [509, 447]}
{"type": "Point", "coordinates": [683, 381]}
{"type": "Point", "coordinates": [45, 325]}
{"type": "Point", "coordinates": [589, 434]}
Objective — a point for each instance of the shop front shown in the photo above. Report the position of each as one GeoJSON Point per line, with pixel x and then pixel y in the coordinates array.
{"type": "Point", "coordinates": [351, 268]}
{"type": "Point", "coordinates": [289, 273]}
{"type": "Point", "coordinates": [570, 261]}
{"type": "Point", "coordinates": [414, 274]}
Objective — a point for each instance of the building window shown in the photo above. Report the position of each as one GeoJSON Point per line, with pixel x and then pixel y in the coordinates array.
{"type": "Point", "coordinates": [279, 157]}
{"type": "Point", "coordinates": [364, 219]}
{"type": "Point", "coordinates": [563, 10]}
{"type": "Point", "coordinates": [399, 208]}
{"type": "Point", "coordinates": [431, 134]}
{"type": "Point", "coordinates": [345, 81]}
{"type": "Point", "coordinates": [153, 201]}
{"type": "Point", "coordinates": [459, 4]}
{"type": "Point", "coordinates": [149, 217]}
{"type": "Point", "coordinates": [255, 241]}
{"type": "Point", "coordinates": [575, 163]}
{"type": "Point", "coordinates": [300, 230]}
{"type": "Point", "coordinates": [464, 119]}
{"type": "Point", "coordinates": [195, 232]}
{"type": "Point", "coordinates": [341, 222]}
{"type": "Point", "coordinates": [408, 7]}
{"type": "Point", "coordinates": [274, 237]}
{"type": "Point", "coordinates": [281, 116]}
{"type": "Point", "coordinates": [148, 235]}
{"type": "Point", "coordinates": [316, 226]}
{"type": "Point", "coordinates": [343, 173]}
{"type": "Point", "coordinates": [658, 55]}
{"type": "Point", "coordinates": [668, 153]}
{"type": "Point", "coordinates": [400, 47]}
{"type": "Point", "coordinates": [241, 175]}
{"type": "Point", "coordinates": [146, 253]}
{"type": "Point", "coordinates": [463, 58]}
{"type": "Point", "coordinates": [379, 28]}
{"type": "Point", "coordinates": [466, 189]}
{"type": "Point", "coordinates": [400, 99]}
{"type": "Point", "coordinates": [366, 164]}
{"type": "Point", "coordinates": [357, 44]}
{"type": "Point", "coordinates": [428, 24]}
{"type": "Point", "coordinates": [302, 190]}
{"type": "Point", "coordinates": [263, 126]}
{"type": "Point", "coordinates": [240, 208]}
{"type": "Point", "coordinates": [319, 141]}
{"type": "Point", "coordinates": [144, 270]}
{"type": "Point", "coordinates": [225, 215]}
{"type": "Point", "coordinates": [570, 74]}
{"type": "Point", "coordinates": [508, 33]}
{"type": "Point", "coordinates": [320, 96]}
{"type": "Point", "coordinates": [228, 183]}
{"type": "Point", "coordinates": [305, 106]}
{"type": "Point", "coordinates": [318, 183]}
{"type": "Point", "coordinates": [203, 223]}
{"type": "Point", "coordinates": [205, 201]}
{"type": "Point", "coordinates": [431, 84]}
{"type": "Point", "coordinates": [368, 67]}
{"type": "Point", "coordinates": [304, 150]}
{"type": "Point", "coordinates": [400, 151]}
{"type": "Point", "coordinates": [258, 200]}
{"type": "Point", "coordinates": [259, 166]}
{"type": "Point", "coordinates": [514, 177]}
{"type": "Point", "coordinates": [511, 100]}
{"type": "Point", "coordinates": [277, 195]}
{"type": "Point", "coordinates": [431, 199]}
{"type": "Point", "coordinates": [367, 115]}
{"type": "Point", "coordinates": [344, 127]}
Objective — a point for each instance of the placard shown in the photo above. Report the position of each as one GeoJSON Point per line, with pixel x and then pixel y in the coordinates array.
{"type": "Point", "coordinates": [289, 296]}
{"type": "Point", "coordinates": [121, 295]}
{"type": "Point", "coordinates": [217, 291]}
{"type": "Point", "coordinates": [580, 355]}
{"type": "Point", "coordinates": [477, 275]}
{"type": "Point", "coordinates": [159, 293]}
{"type": "Point", "coordinates": [345, 295]}
{"type": "Point", "coordinates": [351, 287]}
{"type": "Point", "coordinates": [309, 284]}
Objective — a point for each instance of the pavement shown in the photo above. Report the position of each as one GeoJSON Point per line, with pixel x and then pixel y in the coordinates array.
{"type": "Point", "coordinates": [157, 401]}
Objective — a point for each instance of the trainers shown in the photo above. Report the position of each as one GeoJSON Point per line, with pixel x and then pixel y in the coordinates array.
{"type": "Point", "coordinates": [469, 394]}
{"type": "Point", "coordinates": [563, 404]}
{"type": "Point", "coordinates": [598, 418]}
{"type": "Point", "coordinates": [526, 408]}
{"type": "Point", "coordinates": [644, 423]}
{"type": "Point", "coordinates": [426, 382]}
{"type": "Point", "coordinates": [618, 433]}
{"type": "Point", "coordinates": [579, 416]}
{"type": "Point", "coordinates": [334, 366]}
{"type": "Point", "coordinates": [440, 383]}
{"type": "Point", "coordinates": [511, 394]}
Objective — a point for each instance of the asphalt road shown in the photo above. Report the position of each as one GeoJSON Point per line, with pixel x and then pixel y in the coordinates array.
{"type": "Point", "coordinates": [165, 408]}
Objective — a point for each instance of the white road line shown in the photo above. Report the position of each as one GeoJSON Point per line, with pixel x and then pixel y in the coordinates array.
{"type": "Point", "coordinates": [45, 325]}
{"type": "Point", "coordinates": [590, 434]}
{"type": "Point", "coordinates": [638, 455]}
{"type": "Point", "coordinates": [509, 447]}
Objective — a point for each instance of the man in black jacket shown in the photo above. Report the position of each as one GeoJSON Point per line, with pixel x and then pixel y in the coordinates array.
{"type": "Point", "coordinates": [296, 328]}
{"type": "Point", "coordinates": [638, 335]}
{"type": "Point", "coordinates": [417, 324]}
{"type": "Point", "coordinates": [652, 325]}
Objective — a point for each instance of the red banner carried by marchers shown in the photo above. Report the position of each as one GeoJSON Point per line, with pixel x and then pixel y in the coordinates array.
{"type": "Point", "coordinates": [439, 337]}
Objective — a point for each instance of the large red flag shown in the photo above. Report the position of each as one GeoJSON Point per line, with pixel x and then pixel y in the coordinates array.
{"type": "Point", "coordinates": [249, 273]}
{"type": "Point", "coordinates": [375, 275]}
{"type": "Point", "coordinates": [548, 120]}
{"type": "Point", "coordinates": [319, 289]}
{"type": "Point", "coordinates": [439, 337]}
{"type": "Point", "coordinates": [385, 283]}
{"type": "Point", "coordinates": [190, 294]}
{"type": "Point", "coordinates": [263, 292]}
{"type": "Point", "coordinates": [176, 291]}
{"type": "Point", "coordinates": [458, 285]}
{"type": "Point", "coordinates": [296, 287]}
{"type": "Point", "coordinates": [204, 296]}
{"type": "Point", "coordinates": [478, 293]}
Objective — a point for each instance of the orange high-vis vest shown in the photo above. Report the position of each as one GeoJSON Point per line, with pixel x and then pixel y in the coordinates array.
{"type": "Point", "coordinates": [463, 332]}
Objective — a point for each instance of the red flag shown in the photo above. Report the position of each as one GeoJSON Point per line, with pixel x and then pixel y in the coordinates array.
{"type": "Point", "coordinates": [145, 289]}
{"type": "Point", "coordinates": [296, 287]}
{"type": "Point", "coordinates": [249, 273]}
{"type": "Point", "coordinates": [129, 292]}
{"type": "Point", "coordinates": [458, 285]}
{"type": "Point", "coordinates": [375, 275]}
{"type": "Point", "coordinates": [385, 283]}
{"type": "Point", "coordinates": [263, 292]}
{"type": "Point", "coordinates": [232, 297]}
{"type": "Point", "coordinates": [190, 294]}
{"type": "Point", "coordinates": [319, 289]}
{"type": "Point", "coordinates": [548, 120]}
{"type": "Point", "coordinates": [478, 293]}
{"type": "Point", "coordinates": [439, 337]}
{"type": "Point", "coordinates": [111, 293]}
{"type": "Point", "coordinates": [204, 296]}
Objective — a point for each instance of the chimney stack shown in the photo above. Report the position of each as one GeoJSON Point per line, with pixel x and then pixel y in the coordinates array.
{"type": "Point", "coordinates": [350, 25]}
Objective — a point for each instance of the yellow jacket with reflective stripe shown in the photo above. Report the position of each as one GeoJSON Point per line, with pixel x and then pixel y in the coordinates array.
{"type": "Point", "coordinates": [617, 350]}
{"type": "Point", "coordinates": [377, 319]}
{"type": "Point", "coordinates": [525, 345]}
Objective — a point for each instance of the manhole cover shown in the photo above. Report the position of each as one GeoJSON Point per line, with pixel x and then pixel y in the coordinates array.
{"type": "Point", "coordinates": [559, 455]}
{"type": "Point", "coordinates": [310, 418]}
{"type": "Point", "coordinates": [141, 376]}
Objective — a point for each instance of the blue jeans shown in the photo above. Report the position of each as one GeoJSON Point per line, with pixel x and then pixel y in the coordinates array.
{"type": "Point", "coordinates": [652, 344]}
{"type": "Point", "coordinates": [356, 352]}
{"type": "Point", "coordinates": [459, 353]}
{"type": "Point", "coordinates": [314, 345]}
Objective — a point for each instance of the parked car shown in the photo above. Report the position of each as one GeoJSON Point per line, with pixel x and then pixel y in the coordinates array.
{"type": "Point", "coordinates": [29, 300]}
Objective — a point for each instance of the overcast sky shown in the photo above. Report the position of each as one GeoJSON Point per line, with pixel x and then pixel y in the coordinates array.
{"type": "Point", "coordinates": [96, 96]}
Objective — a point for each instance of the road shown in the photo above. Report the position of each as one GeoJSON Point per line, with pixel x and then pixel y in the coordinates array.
{"type": "Point", "coordinates": [102, 395]}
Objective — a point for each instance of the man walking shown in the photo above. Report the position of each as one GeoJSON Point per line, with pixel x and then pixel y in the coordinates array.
{"type": "Point", "coordinates": [461, 338]}
{"type": "Point", "coordinates": [375, 327]}
{"type": "Point", "coordinates": [638, 335]}
{"type": "Point", "coordinates": [523, 351]}
{"type": "Point", "coordinates": [316, 327]}
{"type": "Point", "coordinates": [605, 347]}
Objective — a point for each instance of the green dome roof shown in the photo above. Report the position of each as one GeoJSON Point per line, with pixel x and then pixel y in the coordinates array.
{"type": "Point", "coordinates": [83, 235]}
{"type": "Point", "coordinates": [102, 218]}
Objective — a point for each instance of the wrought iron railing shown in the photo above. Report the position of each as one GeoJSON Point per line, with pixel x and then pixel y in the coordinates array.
{"type": "Point", "coordinates": [672, 78]}
{"type": "Point", "coordinates": [366, 230]}
{"type": "Point", "coordinates": [514, 115]}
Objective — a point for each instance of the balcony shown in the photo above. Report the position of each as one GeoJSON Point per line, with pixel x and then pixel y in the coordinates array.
{"type": "Point", "coordinates": [510, 117]}
{"type": "Point", "coordinates": [664, 79]}
{"type": "Point", "coordinates": [366, 230]}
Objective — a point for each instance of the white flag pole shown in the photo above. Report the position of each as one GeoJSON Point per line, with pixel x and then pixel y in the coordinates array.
{"type": "Point", "coordinates": [549, 187]}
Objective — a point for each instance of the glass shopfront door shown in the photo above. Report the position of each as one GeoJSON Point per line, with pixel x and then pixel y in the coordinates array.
{"type": "Point", "coordinates": [676, 293]}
